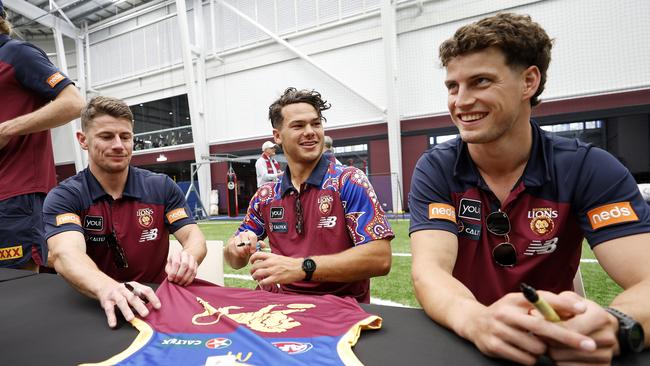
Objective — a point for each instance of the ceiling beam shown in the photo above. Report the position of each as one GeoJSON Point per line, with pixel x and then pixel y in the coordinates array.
{"type": "Point", "coordinates": [43, 17]}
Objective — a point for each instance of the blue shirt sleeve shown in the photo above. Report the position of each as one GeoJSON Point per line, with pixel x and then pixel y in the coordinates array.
{"type": "Point", "coordinates": [429, 185]}
{"type": "Point", "coordinates": [607, 200]}
{"type": "Point", "coordinates": [62, 211]}
{"type": "Point", "coordinates": [35, 72]}
{"type": "Point", "coordinates": [253, 221]}
{"type": "Point", "coordinates": [177, 212]}
{"type": "Point", "coordinates": [359, 196]}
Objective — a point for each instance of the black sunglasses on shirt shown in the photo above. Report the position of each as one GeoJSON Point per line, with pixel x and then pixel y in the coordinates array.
{"type": "Point", "coordinates": [503, 254]}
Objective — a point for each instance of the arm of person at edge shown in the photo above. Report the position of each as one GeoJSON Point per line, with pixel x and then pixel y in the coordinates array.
{"type": "Point", "coordinates": [64, 108]}
{"type": "Point", "coordinates": [625, 259]}
{"type": "Point", "coordinates": [68, 255]}
{"type": "Point", "coordinates": [505, 329]}
{"type": "Point", "coordinates": [182, 266]}
{"type": "Point", "coordinates": [353, 264]}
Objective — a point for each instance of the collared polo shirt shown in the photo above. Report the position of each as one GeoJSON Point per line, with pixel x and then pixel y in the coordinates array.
{"type": "Point", "coordinates": [569, 190]}
{"type": "Point", "coordinates": [28, 81]}
{"type": "Point", "coordinates": [340, 210]}
{"type": "Point", "coordinates": [151, 207]}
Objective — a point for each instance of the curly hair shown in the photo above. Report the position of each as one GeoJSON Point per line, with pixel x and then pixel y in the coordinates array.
{"type": "Point", "coordinates": [99, 106]}
{"type": "Point", "coordinates": [524, 43]}
{"type": "Point", "coordinates": [292, 96]}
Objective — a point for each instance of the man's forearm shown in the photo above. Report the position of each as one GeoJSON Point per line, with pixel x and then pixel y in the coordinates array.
{"type": "Point", "coordinates": [354, 264]}
{"type": "Point", "coordinates": [82, 273]}
{"type": "Point", "coordinates": [634, 302]}
{"type": "Point", "coordinates": [66, 107]}
{"type": "Point", "coordinates": [445, 299]}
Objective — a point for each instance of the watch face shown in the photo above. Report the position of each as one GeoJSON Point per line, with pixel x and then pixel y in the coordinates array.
{"type": "Point", "coordinates": [636, 338]}
{"type": "Point", "coordinates": [308, 265]}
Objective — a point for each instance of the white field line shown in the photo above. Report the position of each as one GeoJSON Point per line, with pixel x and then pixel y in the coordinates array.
{"type": "Point", "coordinates": [584, 260]}
{"type": "Point", "coordinates": [373, 300]}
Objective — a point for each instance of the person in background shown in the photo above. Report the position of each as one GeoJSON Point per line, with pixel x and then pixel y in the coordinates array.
{"type": "Point", "coordinates": [507, 203]}
{"type": "Point", "coordinates": [108, 227]}
{"type": "Point", "coordinates": [327, 231]}
{"type": "Point", "coordinates": [328, 152]}
{"type": "Point", "coordinates": [35, 97]}
{"type": "Point", "coordinates": [266, 167]}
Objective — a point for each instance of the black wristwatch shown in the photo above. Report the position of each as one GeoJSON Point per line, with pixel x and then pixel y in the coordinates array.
{"type": "Point", "coordinates": [309, 266]}
{"type": "Point", "coordinates": [630, 332]}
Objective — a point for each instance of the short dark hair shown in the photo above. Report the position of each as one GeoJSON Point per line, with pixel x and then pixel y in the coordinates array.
{"type": "Point", "coordinates": [99, 106]}
{"type": "Point", "coordinates": [523, 42]}
{"type": "Point", "coordinates": [292, 96]}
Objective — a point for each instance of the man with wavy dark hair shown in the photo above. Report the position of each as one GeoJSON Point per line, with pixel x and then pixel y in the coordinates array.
{"type": "Point", "coordinates": [35, 97]}
{"type": "Point", "coordinates": [507, 203]}
{"type": "Point", "coordinates": [327, 231]}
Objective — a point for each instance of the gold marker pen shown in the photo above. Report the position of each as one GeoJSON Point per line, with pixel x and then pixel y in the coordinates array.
{"type": "Point", "coordinates": [540, 304]}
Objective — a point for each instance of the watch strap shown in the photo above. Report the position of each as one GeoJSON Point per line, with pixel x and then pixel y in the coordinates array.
{"type": "Point", "coordinates": [626, 325]}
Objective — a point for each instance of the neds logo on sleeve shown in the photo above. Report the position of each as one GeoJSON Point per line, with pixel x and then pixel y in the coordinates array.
{"type": "Point", "coordinates": [175, 215]}
{"type": "Point", "coordinates": [68, 218]}
{"type": "Point", "coordinates": [442, 211]}
{"type": "Point", "coordinates": [610, 214]}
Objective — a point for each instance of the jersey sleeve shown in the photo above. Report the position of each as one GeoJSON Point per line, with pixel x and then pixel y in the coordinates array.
{"type": "Point", "coordinates": [608, 202]}
{"type": "Point", "coordinates": [35, 72]}
{"type": "Point", "coordinates": [62, 211]}
{"type": "Point", "coordinates": [177, 212]}
{"type": "Point", "coordinates": [253, 221]}
{"type": "Point", "coordinates": [365, 218]}
{"type": "Point", "coordinates": [430, 189]}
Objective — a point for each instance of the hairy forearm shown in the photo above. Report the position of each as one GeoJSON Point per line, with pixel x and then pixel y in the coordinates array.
{"type": "Point", "coordinates": [354, 264]}
{"type": "Point", "coordinates": [66, 107]}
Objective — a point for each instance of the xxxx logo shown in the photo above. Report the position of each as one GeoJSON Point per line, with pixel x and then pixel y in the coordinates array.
{"type": "Point", "coordinates": [11, 253]}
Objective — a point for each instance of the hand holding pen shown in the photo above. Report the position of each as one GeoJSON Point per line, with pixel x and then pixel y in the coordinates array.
{"type": "Point", "coordinates": [540, 304]}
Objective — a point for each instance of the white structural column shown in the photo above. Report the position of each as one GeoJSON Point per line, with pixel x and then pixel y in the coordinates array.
{"type": "Point", "coordinates": [195, 96]}
{"type": "Point", "coordinates": [81, 156]}
{"type": "Point", "coordinates": [389, 32]}
{"type": "Point", "coordinates": [63, 66]}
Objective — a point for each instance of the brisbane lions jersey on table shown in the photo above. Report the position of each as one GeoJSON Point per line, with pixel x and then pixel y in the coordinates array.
{"type": "Point", "coordinates": [205, 324]}
{"type": "Point", "coordinates": [569, 190]}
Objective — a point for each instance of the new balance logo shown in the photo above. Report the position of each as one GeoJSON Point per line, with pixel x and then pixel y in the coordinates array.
{"type": "Point", "coordinates": [541, 247]}
{"type": "Point", "coordinates": [148, 235]}
{"type": "Point", "coordinates": [329, 221]}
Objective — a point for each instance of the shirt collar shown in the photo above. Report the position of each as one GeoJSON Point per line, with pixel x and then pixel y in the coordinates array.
{"type": "Point", "coordinates": [537, 170]}
{"type": "Point", "coordinates": [315, 178]}
{"type": "Point", "coordinates": [97, 192]}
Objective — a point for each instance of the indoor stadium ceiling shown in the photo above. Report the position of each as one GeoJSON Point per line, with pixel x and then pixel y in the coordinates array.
{"type": "Point", "coordinates": [76, 12]}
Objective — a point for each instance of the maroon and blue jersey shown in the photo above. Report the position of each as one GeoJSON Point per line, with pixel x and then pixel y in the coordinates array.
{"type": "Point", "coordinates": [151, 207]}
{"type": "Point", "coordinates": [202, 324]}
{"type": "Point", "coordinates": [569, 190]}
{"type": "Point", "coordinates": [336, 209]}
{"type": "Point", "coordinates": [28, 81]}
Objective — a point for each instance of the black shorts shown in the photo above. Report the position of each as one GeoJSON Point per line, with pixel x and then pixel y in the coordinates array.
{"type": "Point", "coordinates": [21, 230]}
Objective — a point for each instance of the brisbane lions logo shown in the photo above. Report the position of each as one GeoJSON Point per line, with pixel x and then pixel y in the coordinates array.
{"type": "Point", "coordinates": [325, 204]}
{"type": "Point", "coordinates": [145, 217]}
{"type": "Point", "coordinates": [542, 225]}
